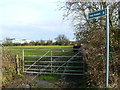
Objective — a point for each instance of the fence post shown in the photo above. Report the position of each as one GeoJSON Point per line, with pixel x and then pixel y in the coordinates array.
{"type": "Point", "coordinates": [17, 63]}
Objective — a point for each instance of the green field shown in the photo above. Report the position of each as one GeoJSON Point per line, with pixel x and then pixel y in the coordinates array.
{"type": "Point", "coordinates": [18, 49]}
{"type": "Point", "coordinates": [33, 53]}
{"type": "Point", "coordinates": [42, 56]}
{"type": "Point", "coordinates": [38, 52]}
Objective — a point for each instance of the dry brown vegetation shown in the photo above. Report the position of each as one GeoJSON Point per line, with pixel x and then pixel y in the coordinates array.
{"type": "Point", "coordinates": [96, 62]}
{"type": "Point", "coordinates": [92, 33]}
{"type": "Point", "coordinates": [8, 67]}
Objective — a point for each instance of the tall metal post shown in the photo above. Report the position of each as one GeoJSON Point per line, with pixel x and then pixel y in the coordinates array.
{"type": "Point", "coordinates": [1, 65]}
{"type": "Point", "coordinates": [51, 61]}
{"type": "Point", "coordinates": [107, 47]}
{"type": "Point", "coordinates": [23, 59]}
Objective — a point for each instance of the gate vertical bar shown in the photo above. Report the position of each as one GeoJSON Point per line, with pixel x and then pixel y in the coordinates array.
{"type": "Point", "coordinates": [23, 59]}
{"type": "Point", "coordinates": [107, 47]}
{"type": "Point", "coordinates": [51, 61]}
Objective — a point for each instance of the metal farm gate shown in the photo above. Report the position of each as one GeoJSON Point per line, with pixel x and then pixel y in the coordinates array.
{"type": "Point", "coordinates": [53, 61]}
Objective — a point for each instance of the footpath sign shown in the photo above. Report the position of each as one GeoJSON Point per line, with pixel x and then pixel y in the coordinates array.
{"type": "Point", "coordinates": [96, 14]}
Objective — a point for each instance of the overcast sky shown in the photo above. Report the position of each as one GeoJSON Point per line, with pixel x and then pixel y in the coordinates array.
{"type": "Point", "coordinates": [32, 20]}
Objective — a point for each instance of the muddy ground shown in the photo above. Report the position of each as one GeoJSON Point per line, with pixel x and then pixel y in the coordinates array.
{"type": "Point", "coordinates": [63, 82]}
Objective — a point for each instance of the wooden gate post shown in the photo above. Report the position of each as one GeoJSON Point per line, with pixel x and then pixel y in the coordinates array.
{"type": "Point", "coordinates": [17, 63]}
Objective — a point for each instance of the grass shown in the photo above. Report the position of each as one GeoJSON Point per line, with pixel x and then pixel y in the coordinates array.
{"type": "Point", "coordinates": [18, 49]}
{"type": "Point", "coordinates": [48, 77]}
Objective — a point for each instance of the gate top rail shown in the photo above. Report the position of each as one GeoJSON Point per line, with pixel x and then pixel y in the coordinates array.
{"type": "Point", "coordinates": [55, 49]}
{"type": "Point", "coordinates": [48, 56]}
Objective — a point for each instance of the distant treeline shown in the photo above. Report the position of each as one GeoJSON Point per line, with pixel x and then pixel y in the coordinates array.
{"type": "Point", "coordinates": [37, 43]}
{"type": "Point", "coordinates": [59, 40]}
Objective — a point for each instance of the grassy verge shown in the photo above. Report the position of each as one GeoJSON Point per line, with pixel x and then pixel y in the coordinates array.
{"type": "Point", "coordinates": [49, 77]}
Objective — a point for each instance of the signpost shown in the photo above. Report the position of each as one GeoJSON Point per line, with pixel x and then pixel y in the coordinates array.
{"type": "Point", "coordinates": [104, 12]}
{"type": "Point", "coordinates": [97, 14]}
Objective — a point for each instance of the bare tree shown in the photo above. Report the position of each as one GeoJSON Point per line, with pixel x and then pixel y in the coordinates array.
{"type": "Point", "coordinates": [62, 39]}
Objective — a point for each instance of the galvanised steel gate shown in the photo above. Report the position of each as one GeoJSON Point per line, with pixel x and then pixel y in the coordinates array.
{"type": "Point", "coordinates": [53, 61]}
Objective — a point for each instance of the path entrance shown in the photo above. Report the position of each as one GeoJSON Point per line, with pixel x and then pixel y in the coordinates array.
{"type": "Point", "coordinates": [53, 61]}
